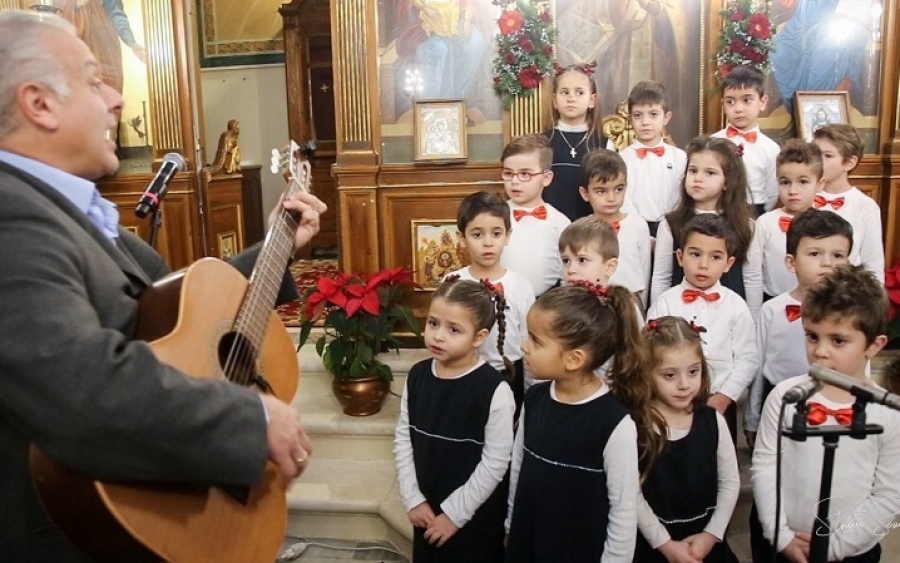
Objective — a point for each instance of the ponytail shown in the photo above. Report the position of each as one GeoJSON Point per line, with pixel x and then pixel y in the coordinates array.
{"type": "Point", "coordinates": [630, 377]}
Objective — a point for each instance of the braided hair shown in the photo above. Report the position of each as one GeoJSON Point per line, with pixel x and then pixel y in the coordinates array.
{"type": "Point", "coordinates": [485, 303]}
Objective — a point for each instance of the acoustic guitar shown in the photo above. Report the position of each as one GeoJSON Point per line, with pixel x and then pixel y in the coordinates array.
{"type": "Point", "coordinates": [209, 322]}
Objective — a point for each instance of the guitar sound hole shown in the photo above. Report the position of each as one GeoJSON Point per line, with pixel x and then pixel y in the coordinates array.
{"type": "Point", "coordinates": [237, 358]}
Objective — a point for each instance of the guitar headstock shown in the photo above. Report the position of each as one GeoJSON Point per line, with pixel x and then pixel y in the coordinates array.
{"type": "Point", "coordinates": [292, 162]}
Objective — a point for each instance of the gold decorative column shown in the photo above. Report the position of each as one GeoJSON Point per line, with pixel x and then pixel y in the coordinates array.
{"type": "Point", "coordinates": [167, 78]}
{"type": "Point", "coordinates": [354, 59]}
{"type": "Point", "coordinates": [528, 114]}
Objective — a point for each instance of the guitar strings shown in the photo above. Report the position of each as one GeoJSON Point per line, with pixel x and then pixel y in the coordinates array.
{"type": "Point", "coordinates": [240, 365]}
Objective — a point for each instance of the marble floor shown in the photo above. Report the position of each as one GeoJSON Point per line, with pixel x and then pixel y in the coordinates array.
{"type": "Point", "coordinates": [338, 551]}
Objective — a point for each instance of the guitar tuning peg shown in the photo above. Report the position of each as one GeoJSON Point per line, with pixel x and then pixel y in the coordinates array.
{"type": "Point", "coordinates": [275, 161]}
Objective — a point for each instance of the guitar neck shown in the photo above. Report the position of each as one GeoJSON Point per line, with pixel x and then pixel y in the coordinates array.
{"type": "Point", "coordinates": [265, 281]}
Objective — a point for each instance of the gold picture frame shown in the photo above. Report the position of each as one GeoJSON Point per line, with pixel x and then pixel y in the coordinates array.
{"type": "Point", "coordinates": [437, 251]}
{"type": "Point", "coordinates": [439, 132]}
{"type": "Point", "coordinates": [816, 109]}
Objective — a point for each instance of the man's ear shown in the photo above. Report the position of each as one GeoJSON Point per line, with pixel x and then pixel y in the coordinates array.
{"type": "Point", "coordinates": [37, 104]}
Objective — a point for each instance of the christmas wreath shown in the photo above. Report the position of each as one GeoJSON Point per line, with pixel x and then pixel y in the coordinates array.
{"type": "Point", "coordinates": [524, 47]}
{"type": "Point", "coordinates": [746, 36]}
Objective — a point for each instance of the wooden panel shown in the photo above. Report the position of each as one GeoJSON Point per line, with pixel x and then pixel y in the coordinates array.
{"type": "Point", "coordinates": [358, 222]}
{"type": "Point", "coordinates": [251, 185]}
{"type": "Point", "coordinates": [224, 215]}
{"type": "Point", "coordinates": [179, 240]}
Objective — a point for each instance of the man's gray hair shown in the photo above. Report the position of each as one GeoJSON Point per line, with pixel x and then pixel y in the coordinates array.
{"type": "Point", "coordinates": [24, 57]}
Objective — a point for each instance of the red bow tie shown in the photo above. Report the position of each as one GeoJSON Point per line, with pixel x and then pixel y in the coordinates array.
{"type": "Point", "coordinates": [658, 151]}
{"type": "Point", "coordinates": [539, 212]}
{"type": "Point", "coordinates": [750, 137]}
{"type": "Point", "coordinates": [691, 295]}
{"type": "Point", "coordinates": [835, 204]}
{"type": "Point", "coordinates": [615, 225]}
{"type": "Point", "coordinates": [785, 223]}
{"type": "Point", "coordinates": [792, 312]}
{"type": "Point", "coordinates": [818, 413]}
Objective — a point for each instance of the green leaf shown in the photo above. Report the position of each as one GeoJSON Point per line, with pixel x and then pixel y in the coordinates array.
{"type": "Point", "coordinates": [304, 333]}
{"type": "Point", "coordinates": [320, 345]}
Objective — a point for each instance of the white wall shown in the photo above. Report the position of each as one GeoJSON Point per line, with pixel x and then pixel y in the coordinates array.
{"type": "Point", "coordinates": [257, 97]}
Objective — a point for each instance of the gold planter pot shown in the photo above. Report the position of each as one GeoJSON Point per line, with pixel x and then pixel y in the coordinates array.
{"type": "Point", "coordinates": [361, 396]}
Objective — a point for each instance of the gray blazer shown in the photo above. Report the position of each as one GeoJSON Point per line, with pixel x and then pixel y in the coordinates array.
{"type": "Point", "coordinates": [74, 382]}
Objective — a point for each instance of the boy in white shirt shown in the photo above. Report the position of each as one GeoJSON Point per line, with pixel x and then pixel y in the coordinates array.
{"type": "Point", "coordinates": [533, 249]}
{"type": "Point", "coordinates": [816, 243]}
{"type": "Point", "coordinates": [845, 319]}
{"type": "Point", "coordinates": [841, 151]}
{"type": "Point", "coordinates": [654, 168]}
{"type": "Point", "coordinates": [603, 187]}
{"type": "Point", "coordinates": [483, 220]}
{"type": "Point", "coordinates": [799, 178]}
{"type": "Point", "coordinates": [743, 97]}
{"type": "Point", "coordinates": [728, 342]}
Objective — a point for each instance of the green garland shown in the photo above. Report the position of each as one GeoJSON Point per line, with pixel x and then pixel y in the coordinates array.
{"type": "Point", "coordinates": [524, 48]}
{"type": "Point", "coordinates": [746, 37]}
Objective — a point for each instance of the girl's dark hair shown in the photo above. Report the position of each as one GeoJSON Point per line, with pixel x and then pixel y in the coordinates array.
{"type": "Point", "coordinates": [594, 117]}
{"type": "Point", "coordinates": [608, 326]}
{"type": "Point", "coordinates": [732, 204]}
{"type": "Point", "coordinates": [484, 302]}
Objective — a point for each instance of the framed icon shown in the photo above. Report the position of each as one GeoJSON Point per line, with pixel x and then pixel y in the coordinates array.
{"type": "Point", "coordinates": [440, 131]}
{"type": "Point", "coordinates": [817, 109]}
{"type": "Point", "coordinates": [437, 251]}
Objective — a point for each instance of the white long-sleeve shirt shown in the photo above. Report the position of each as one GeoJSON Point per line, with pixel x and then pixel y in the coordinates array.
{"type": "Point", "coordinates": [462, 503]}
{"type": "Point", "coordinates": [729, 488]}
{"type": "Point", "coordinates": [729, 343]}
{"type": "Point", "coordinates": [621, 482]}
{"type": "Point", "coordinates": [633, 271]}
{"type": "Point", "coordinates": [770, 243]}
{"type": "Point", "coordinates": [759, 161]}
{"type": "Point", "coordinates": [533, 249]}
{"type": "Point", "coordinates": [864, 216]}
{"type": "Point", "coordinates": [654, 182]}
{"type": "Point", "coordinates": [865, 488]}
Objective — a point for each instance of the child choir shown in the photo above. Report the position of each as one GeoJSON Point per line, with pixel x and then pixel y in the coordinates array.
{"type": "Point", "coordinates": [609, 437]}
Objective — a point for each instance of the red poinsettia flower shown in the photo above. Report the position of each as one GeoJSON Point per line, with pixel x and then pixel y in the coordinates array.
{"type": "Point", "coordinates": [361, 297]}
{"type": "Point", "coordinates": [530, 77]}
{"type": "Point", "coordinates": [511, 22]}
{"type": "Point", "coordinates": [760, 26]}
{"type": "Point", "coordinates": [328, 290]}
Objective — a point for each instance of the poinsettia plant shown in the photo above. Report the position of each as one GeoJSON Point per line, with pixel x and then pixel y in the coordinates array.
{"type": "Point", "coordinates": [524, 47]}
{"type": "Point", "coordinates": [358, 313]}
{"type": "Point", "coordinates": [892, 285]}
{"type": "Point", "coordinates": [746, 37]}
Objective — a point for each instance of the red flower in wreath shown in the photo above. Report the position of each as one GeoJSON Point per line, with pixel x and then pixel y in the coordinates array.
{"type": "Point", "coordinates": [760, 26]}
{"type": "Point", "coordinates": [736, 45]}
{"type": "Point", "coordinates": [511, 22]}
{"type": "Point", "coordinates": [530, 77]}
{"type": "Point", "coordinates": [892, 286]}
{"type": "Point", "coordinates": [526, 44]}
{"type": "Point", "coordinates": [724, 70]}
{"type": "Point", "coordinates": [737, 16]}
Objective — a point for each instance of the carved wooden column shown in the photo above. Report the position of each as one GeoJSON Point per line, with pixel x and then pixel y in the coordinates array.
{"type": "Point", "coordinates": [354, 51]}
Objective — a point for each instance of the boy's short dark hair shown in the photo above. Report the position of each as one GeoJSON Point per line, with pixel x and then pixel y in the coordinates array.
{"type": "Point", "coordinates": [745, 76]}
{"type": "Point", "coordinates": [648, 92]}
{"type": "Point", "coordinates": [712, 225]}
{"type": "Point", "coordinates": [844, 137]}
{"type": "Point", "coordinates": [481, 202]}
{"type": "Point", "coordinates": [799, 151]}
{"type": "Point", "coordinates": [849, 292]}
{"type": "Point", "coordinates": [528, 144]}
{"type": "Point", "coordinates": [603, 165]}
{"type": "Point", "coordinates": [817, 224]}
{"type": "Point", "coordinates": [590, 232]}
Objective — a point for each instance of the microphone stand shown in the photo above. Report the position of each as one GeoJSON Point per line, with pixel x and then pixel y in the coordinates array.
{"type": "Point", "coordinates": [155, 224]}
{"type": "Point", "coordinates": [799, 430]}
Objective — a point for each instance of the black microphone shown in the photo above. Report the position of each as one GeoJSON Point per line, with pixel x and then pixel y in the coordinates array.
{"type": "Point", "coordinates": [856, 387]}
{"type": "Point", "coordinates": [156, 190]}
{"type": "Point", "coordinates": [801, 392]}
